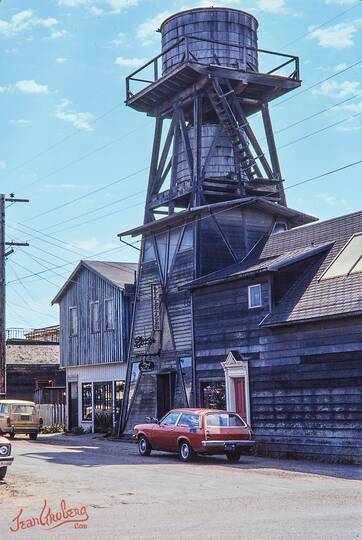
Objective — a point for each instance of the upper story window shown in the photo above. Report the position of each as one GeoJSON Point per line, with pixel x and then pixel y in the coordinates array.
{"type": "Point", "coordinates": [348, 260]}
{"type": "Point", "coordinates": [94, 316]}
{"type": "Point", "coordinates": [254, 296]}
{"type": "Point", "coordinates": [73, 321]}
{"type": "Point", "coordinates": [109, 314]}
{"type": "Point", "coordinates": [279, 226]}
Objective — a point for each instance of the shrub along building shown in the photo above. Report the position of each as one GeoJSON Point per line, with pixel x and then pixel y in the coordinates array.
{"type": "Point", "coordinates": [95, 307]}
{"type": "Point", "coordinates": [236, 304]}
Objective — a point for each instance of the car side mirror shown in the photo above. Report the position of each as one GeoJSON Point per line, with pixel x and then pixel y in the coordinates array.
{"type": "Point", "coordinates": [192, 430]}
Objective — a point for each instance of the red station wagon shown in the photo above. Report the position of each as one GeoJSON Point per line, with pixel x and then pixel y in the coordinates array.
{"type": "Point", "coordinates": [196, 431]}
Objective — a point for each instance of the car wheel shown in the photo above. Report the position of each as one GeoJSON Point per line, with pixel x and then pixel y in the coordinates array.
{"type": "Point", "coordinates": [186, 452]}
{"type": "Point", "coordinates": [144, 446]}
{"type": "Point", "coordinates": [3, 472]}
{"type": "Point", "coordinates": [12, 435]}
{"type": "Point", "coordinates": [33, 436]}
{"type": "Point", "coordinates": [233, 457]}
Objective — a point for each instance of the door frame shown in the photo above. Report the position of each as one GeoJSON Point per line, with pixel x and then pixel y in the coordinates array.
{"type": "Point", "coordinates": [236, 367]}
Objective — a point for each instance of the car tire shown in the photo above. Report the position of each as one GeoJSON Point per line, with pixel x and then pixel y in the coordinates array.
{"type": "Point", "coordinates": [12, 435]}
{"type": "Point", "coordinates": [144, 446]}
{"type": "Point", "coordinates": [33, 436]}
{"type": "Point", "coordinates": [186, 453]}
{"type": "Point", "coordinates": [233, 457]}
{"type": "Point", "coordinates": [3, 472]}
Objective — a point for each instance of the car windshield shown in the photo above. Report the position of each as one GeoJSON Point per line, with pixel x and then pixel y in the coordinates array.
{"type": "Point", "coordinates": [23, 409]}
{"type": "Point", "coordinates": [224, 420]}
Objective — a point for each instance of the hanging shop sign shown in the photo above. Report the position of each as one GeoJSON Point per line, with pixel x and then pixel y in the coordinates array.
{"type": "Point", "coordinates": [146, 366]}
{"type": "Point", "coordinates": [141, 341]}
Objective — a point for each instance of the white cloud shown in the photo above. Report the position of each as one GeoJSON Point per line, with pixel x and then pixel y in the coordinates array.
{"type": "Point", "coordinates": [31, 87]}
{"type": "Point", "coordinates": [24, 20]}
{"type": "Point", "coordinates": [21, 122]}
{"type": "Point", "coordinates": [272, 6]}
{"type": "Point", "coordinates": [2, 165]}
{"type": "Point", "coordinates": [331, 200]}
{"type": "Point", "coordinates": [146, 32]}
{"type": "Point", "coordinates": [339, 36]}
{"type": "Point", "coordinates": [338, 90]}
{"type": "Point", "coordinates": [130, 62]}
{"type": "Point", "coordinates": [120, 5]}
{"type": "Point", "coordinates": [72, 3]}
{"type": "Point", "coordinates": [58, 34]}
{"type": "Point", "coordinates": [119, 39]}
{"type": "Point", "coordinates": [340, 2]}
{"type": "Point", "coordinates": [96, 11]}
{"type": "Point", "coordinates": [80, 120]}
{"type": "Point", "coordinates": [61, 60]}
{"type": "Point", "coordinates": [353, 107]}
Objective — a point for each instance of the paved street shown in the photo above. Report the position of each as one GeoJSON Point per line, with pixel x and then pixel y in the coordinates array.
{"type": "Point", "coordinates": [126, 496]}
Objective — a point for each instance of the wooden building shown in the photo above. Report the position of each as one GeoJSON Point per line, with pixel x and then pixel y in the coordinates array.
{"type": "Point", "coordinates": [95, 306]}
{"type": "Point", "coordinates": [225, 264]}
{"type": "Point", "coordinates": [32, 362]}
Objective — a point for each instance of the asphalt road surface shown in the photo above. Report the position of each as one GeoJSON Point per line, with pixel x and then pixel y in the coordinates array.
{"type": "Point", "coordinates": [110, 492]}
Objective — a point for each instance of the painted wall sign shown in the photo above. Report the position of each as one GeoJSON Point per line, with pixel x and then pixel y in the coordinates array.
{"type": "Point", "coordinates": [155, 298]}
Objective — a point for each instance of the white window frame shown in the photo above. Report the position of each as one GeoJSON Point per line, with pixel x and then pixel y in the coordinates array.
{"type": "Point", "coordinates": [73, 309]}
{"type": "Point", "coordinates": [250, 287]}
{"type": "Point", "coordinates": [94, 331]}
{"type": "Point", "coordinates": [109, 328]}
{"type": "Point", "coordinates": [279, 223]}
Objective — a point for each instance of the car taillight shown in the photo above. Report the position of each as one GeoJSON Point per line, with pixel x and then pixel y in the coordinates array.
{"type": "Point", "coordinates": [8, 421]}
{"type": "Point", "coordinates": [40, 421]}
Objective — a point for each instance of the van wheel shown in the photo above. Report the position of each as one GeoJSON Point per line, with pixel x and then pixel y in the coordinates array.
{"type": "Point", "coordinates": [12, 435]}
{"type": "Point", "coordinates": [3, 472]}
{"type": "Point", "coordinates": [33, 436]}
{"type": "Point", "coordinates": [233, 457]}
{"type": "Point", "coordinates": [144, 446]}
{"type": "Point", "coordinates": [186, 452]}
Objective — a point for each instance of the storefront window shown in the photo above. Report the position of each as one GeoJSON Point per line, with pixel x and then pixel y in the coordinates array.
{"type": "Point", "coordinates": [135, 374]}
{"type": "Point", "coordinates": [87, 402]}
{"type": "Point", "coordinates": [118, 399]}
{"type": "Point", "coordinates": [186, 370]}
{"type": "Point", "coordinates": [213, 395]}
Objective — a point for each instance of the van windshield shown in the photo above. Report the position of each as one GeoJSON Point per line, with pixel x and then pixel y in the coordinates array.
{"type": "Point", "coordinates": [23, 409]}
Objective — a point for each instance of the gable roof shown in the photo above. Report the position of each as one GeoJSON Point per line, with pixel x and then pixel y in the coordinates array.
{"type": "Point", "coordinates": [309, 297]}
{"type": "Point", "coordinates": [251, 266]}
{"type": "Point", "coordinates": [116, 273]}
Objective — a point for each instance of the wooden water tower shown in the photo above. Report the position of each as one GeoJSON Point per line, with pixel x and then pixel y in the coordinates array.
{"type": "Point", "coordinates": [218, 191]}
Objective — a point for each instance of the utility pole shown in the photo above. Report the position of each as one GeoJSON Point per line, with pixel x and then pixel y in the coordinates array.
{"type": "Point", "coordinates": [3, 255]}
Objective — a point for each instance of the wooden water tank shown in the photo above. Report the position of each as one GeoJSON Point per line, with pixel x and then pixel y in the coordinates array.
{"type": "Point", "coordinates": [231, 26]}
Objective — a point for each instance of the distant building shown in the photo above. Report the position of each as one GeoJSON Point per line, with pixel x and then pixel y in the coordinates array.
{"type": "Point", "coordinates": [95, 305]}
{"type": "Point", "coordinates": [32, 362]}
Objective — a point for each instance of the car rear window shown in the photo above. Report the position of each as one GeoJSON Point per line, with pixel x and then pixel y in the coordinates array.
{"type": "Point", "coordinates": [224, 420]}
{"type": "Point", "coordinates": [23, 409]}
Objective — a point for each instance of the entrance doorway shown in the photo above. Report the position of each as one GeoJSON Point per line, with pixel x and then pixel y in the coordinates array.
{"type": "Point", "coordinates": [165, 393]}
{"type": "Point", "coordinates": [103, 407]}
{"type": "Point", "coordinates": [72, 405]}
{"type": "Point", "coordinates": [237, 384]}
{"type": "Point", "coordinates": [240, 399]}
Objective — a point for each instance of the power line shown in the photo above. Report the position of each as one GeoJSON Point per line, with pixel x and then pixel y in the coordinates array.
{"type": "Point", "coordinates": [318, 83]}
{"type": "Point", "coordinates": [321, 25]}
{"type": "Point", "coordinates": [88, 194]}
{"type": "Point", "coordinates": [320, 130]}
{"type": "Point", "coordinates": [56, 144]}
{"type": "Point", "coordinates": [322, 175]}
{"type": "Point", "coordinates": [88, 154]}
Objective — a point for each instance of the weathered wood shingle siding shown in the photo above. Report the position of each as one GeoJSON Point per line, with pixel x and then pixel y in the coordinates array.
{"type": "Point", "coordinates": [305, 379]}
{"type": "Point", "coordinates": [87, 347]}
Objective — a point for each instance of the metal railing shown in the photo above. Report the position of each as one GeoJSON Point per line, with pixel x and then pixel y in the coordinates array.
{"type": "Point", "coordinates": [50, 333]}
{"type": "Point", "coordinates": [190, 56]}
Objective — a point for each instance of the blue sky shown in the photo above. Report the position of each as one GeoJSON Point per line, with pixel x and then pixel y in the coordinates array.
{"type": "Point", "coordinates": [66, 132]}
